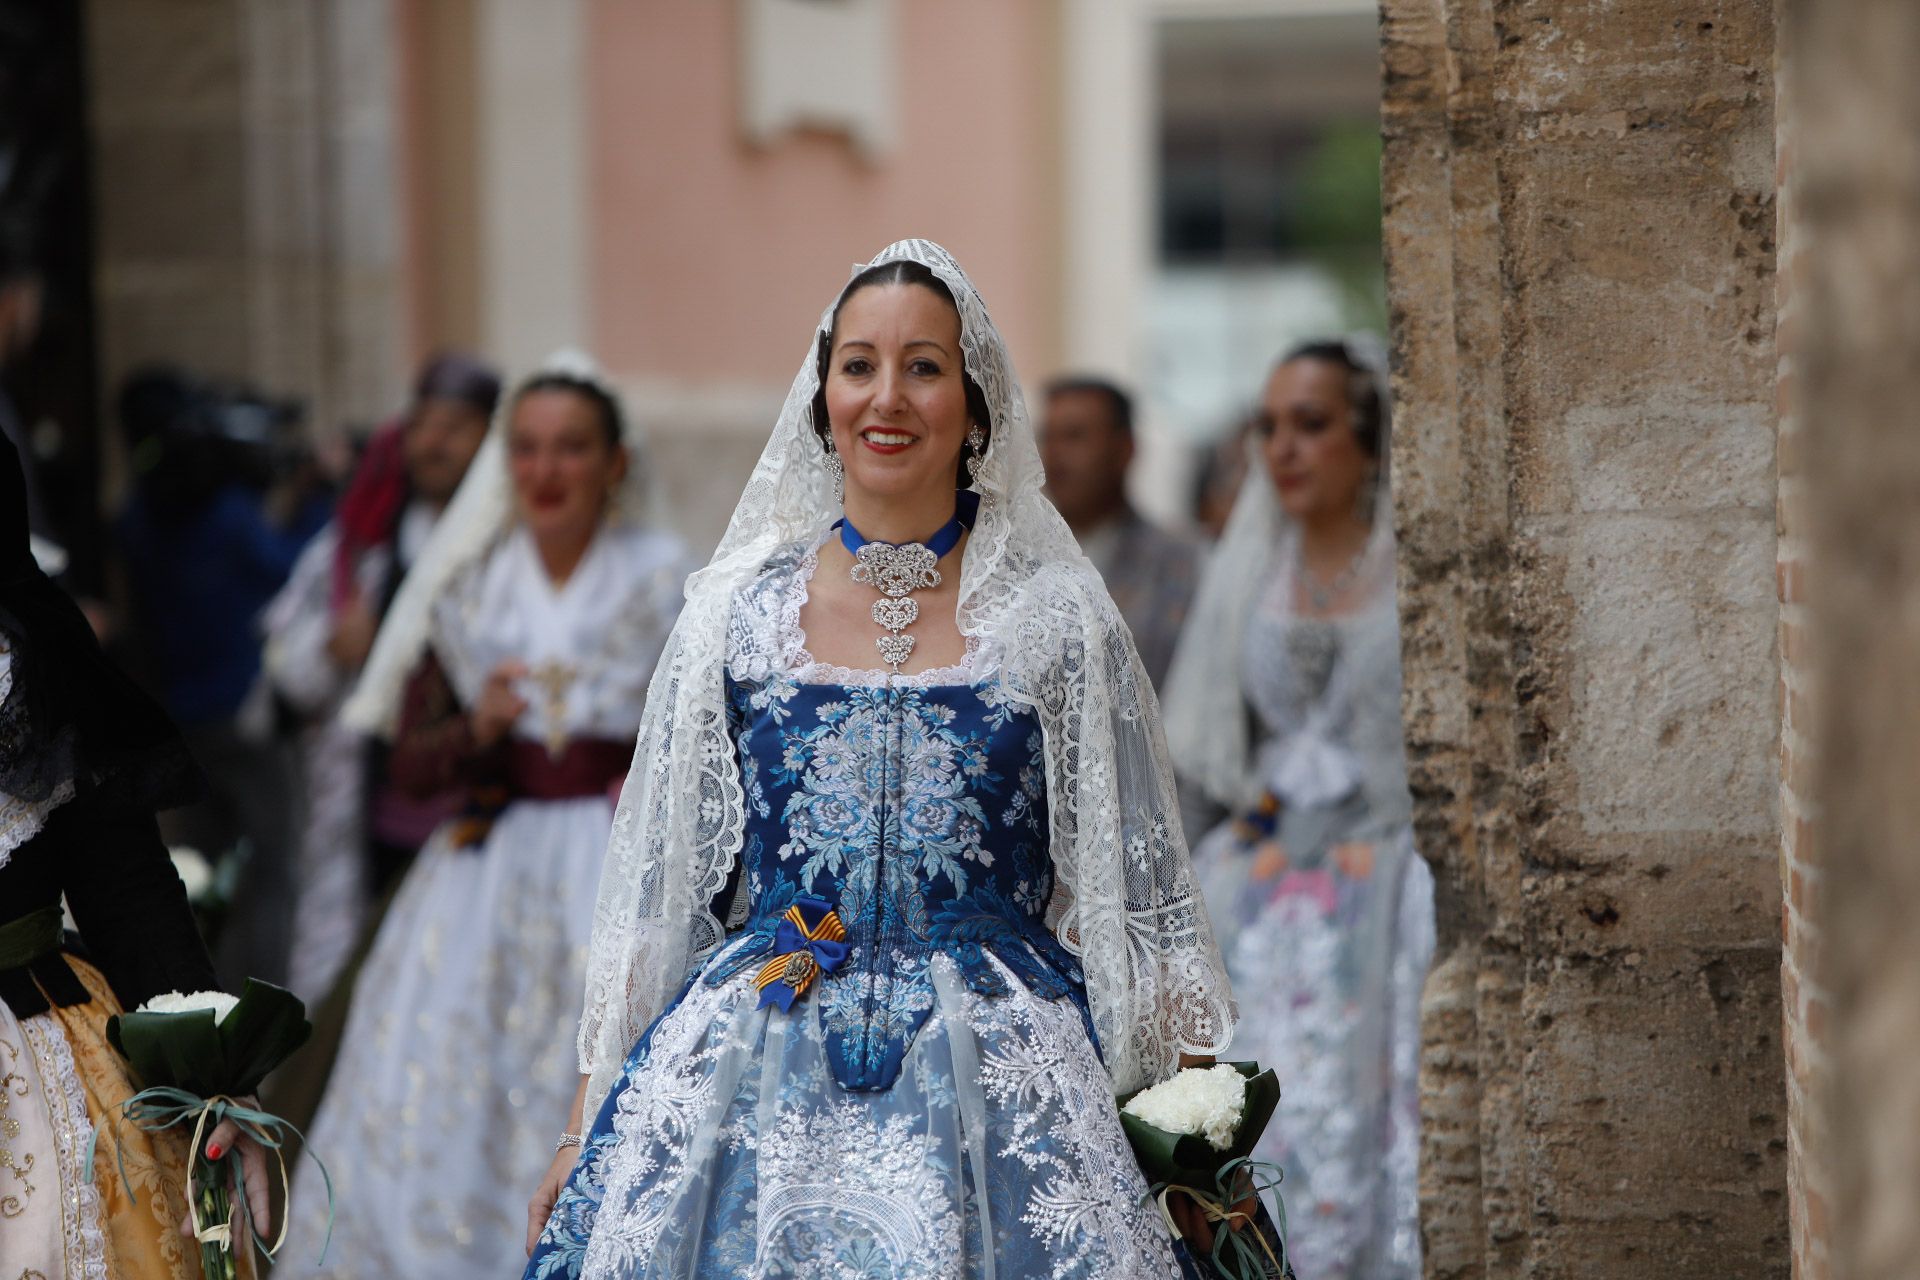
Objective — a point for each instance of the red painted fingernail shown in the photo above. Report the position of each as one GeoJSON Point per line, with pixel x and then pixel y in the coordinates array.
{"type": "Point", "coordinates": [213, 1151]}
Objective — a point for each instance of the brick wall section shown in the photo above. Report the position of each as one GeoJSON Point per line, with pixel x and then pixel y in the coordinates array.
{"type": "Point", "coordinates": [1804, 998]}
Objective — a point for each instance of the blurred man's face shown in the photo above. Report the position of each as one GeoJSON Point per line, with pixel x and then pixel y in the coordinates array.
{"type": "Point", "coordinates": [441, 440]}
{"type": "Point", "coordinates": [1085, 455]}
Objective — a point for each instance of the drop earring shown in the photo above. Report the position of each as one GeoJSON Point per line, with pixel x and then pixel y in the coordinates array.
{"type": "Point", "coordinates": [837, 470]}
{"type": "Point", "coordinates": [976, 452]}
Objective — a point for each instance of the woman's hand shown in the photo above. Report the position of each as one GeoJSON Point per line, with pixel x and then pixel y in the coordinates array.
{"type": "Point", "coordinates": [227, 1136]}
{"type": "Point", "coordinates": [498, 705]}
{"type": "Point", "coordinates": [540, 1208]}
{"type": "Point", "coordinates": [1191, 1220]}
{"type": "Point", "coordinates": [1354, 859]}
{"type": "Point", "coordinates": [351, 639]}
{"type": "Point", "coordinates": [1270, 860]}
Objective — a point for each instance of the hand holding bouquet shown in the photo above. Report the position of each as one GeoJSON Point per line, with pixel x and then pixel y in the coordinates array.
{"type": "Point", "coordinates": [1194, 1135]}
{"type": "Point", "coordinates": [201, 1057]}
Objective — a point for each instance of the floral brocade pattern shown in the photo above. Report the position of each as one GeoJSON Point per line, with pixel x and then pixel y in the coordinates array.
{"type": "Point", "coordinates": [59, 1081]}
{"type": "Point", "coordinates": [935, 1106]}
{"type": "Point", "coordinates": [920, 812]}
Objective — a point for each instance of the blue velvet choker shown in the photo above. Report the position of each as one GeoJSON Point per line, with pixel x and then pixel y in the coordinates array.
{"type": "Point", "coordinates": [966, 509]}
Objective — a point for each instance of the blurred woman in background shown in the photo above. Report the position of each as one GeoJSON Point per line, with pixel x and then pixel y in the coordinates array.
{"type": "Point", "coordinates": [513, 663]}
{"type": "Point", "coordinates": [1284, 705]}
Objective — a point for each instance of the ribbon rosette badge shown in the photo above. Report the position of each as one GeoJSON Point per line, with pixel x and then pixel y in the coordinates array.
{"type": "Point", "coordinates": [809, 941]}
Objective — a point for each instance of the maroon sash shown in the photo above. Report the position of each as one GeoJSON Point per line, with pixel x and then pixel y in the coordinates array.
{"type": "Point", "coordinates": [585, 767]}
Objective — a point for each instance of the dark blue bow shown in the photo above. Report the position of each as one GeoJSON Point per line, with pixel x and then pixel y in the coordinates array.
{"type": "Point", "coordinates": [809, 941]}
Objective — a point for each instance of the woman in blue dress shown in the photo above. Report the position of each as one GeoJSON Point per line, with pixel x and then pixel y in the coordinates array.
{"type": "Point", "coordinates": [897, 898]}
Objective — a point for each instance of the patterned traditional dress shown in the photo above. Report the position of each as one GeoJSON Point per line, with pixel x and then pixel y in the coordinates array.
{"type": "Point", "coordinates": [458, 1046]}
{"type": "Point", "coordinates": [1329, 949]}
{"type": "Point", "coordinates": [85, 761]}
{"type": "Point", "coordinates": [908, 1088]}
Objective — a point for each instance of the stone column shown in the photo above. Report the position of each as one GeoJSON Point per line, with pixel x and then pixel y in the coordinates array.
{"type": "Point", "coordinates": [1580, 256]}
{"type": "Point", "coordinates": [1856, 285]}
{"type": "Point", "coordinates": [245, 187]}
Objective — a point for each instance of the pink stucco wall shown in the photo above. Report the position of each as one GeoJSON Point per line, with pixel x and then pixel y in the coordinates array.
{"type": "Point", "coordinates": [711, 257]}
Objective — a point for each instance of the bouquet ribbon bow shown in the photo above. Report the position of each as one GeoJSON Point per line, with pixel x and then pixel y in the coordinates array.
{"type": "Point", "coordinates": [197, 1060]}
{"type": "Point", "coordinates": [809, 941]}
{"type": "Point", "coordinates": [1218, 1178]}
{"type": "Point", "coordinates": [161, 1107]}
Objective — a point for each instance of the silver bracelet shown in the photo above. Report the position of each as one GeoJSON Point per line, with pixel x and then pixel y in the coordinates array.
{"type": "Point", "coordinates": [568, 1140]}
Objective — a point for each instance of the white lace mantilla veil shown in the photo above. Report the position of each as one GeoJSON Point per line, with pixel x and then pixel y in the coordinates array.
{"type": "Point", "coordinates": [1037, 620]}
{"type": "Point", "coordinates": [479, 515]}
{"type": "Point", "coordinates": [1206, 707]}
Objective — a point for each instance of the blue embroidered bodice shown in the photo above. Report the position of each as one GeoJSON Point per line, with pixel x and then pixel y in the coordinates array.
{"type": "Point", "coordinates": [919, 812]}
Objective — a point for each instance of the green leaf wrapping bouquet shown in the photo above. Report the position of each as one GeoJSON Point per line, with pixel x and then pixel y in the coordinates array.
{"type": "Point", "coordinates": [197, 1055]}
{"type": "Point", "coordinates": [1194, 1133]}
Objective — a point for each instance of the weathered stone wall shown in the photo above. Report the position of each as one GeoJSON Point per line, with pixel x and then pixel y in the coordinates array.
{"type": "Point", "coordinates": [1580, 259]}
{"type": "Point", "coordinates": [1854, 182]}
{"type": "Point", "coordinates": [245, 191]}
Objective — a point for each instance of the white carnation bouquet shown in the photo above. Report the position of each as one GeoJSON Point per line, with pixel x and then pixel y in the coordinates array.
{"type": "Point", "coordinates": [200, 1057]}
{"type": "Point", "coordinates": [1194, 1134]}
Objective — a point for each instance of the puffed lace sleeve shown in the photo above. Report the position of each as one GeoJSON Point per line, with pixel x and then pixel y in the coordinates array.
{"type": "Point", "coordinates": [1129, 903]}
{"type": "Point", "coordinates": [676, 831]}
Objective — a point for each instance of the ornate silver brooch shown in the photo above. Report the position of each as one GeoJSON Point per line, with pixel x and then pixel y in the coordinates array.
{"type": "Point", "coordinates": [896, 572]}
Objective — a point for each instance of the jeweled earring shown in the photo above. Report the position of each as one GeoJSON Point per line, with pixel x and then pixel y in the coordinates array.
{"type": "Point", "coordinates": [838, 470]}
{"type": "Point", "coordinates": [976, 451]}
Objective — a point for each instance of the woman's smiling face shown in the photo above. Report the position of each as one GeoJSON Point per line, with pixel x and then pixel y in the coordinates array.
{"type": "Point", "coordinates": [896, 394]}
{"type": "Point", "coordinates": [562, 463]}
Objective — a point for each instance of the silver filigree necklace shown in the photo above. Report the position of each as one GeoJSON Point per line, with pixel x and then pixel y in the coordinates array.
{"type": "Point", "coordinates": [1321, 593]}
{"type": "Point", "coordinates": [897, 570]}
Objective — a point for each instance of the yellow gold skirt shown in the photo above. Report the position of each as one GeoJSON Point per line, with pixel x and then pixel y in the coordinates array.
{"type": "Point", "coordinates": [58, 1079]}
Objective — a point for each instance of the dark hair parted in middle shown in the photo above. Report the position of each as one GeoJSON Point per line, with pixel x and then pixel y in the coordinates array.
{"type": "Point", "coordinates": [897, 272]}
{"type": "Point", "coordinates": [1364, 397]}
{"type": "Point", "coordinates": [612, 420]}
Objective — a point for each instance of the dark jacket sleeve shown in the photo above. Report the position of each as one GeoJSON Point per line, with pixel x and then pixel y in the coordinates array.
{"type": "Point", "coordinates": [129, 904]}
{"type": "Point", "coordinates": [433, 748]}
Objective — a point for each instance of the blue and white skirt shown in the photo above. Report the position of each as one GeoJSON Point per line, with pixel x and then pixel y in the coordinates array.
{"type": "Point", "coordinates": [728, 1150]}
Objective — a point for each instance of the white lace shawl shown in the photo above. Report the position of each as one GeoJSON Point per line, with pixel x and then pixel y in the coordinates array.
{"type": "Point", "coordinates": [1039, 621]}
{"type": "Point", "coordinates": [476, 520]}
{"type": "Point", "coordinates": [1207, 721]}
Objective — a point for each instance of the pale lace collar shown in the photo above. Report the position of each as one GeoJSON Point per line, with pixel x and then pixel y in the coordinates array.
{"type": "Point", "coordinates": [21, 819]}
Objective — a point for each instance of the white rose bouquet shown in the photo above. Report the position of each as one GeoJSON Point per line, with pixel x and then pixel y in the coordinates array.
{"type": "Point", "coordinates": [198, 1056]}
{"type": "Point", "coordinates": [1194, 1134]}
